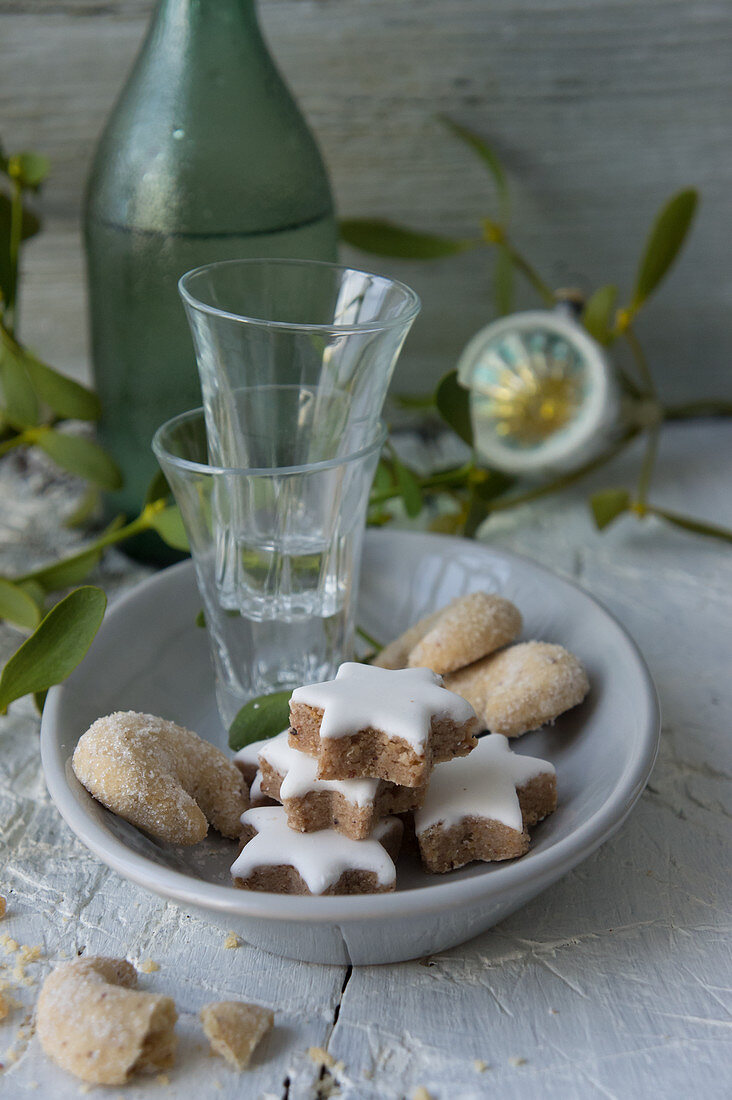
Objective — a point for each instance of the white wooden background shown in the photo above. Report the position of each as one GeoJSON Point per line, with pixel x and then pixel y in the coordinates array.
{"type": "Point", "coordinates": [616, 983]}
{"type": "Point", "coordinates": [599, 110]}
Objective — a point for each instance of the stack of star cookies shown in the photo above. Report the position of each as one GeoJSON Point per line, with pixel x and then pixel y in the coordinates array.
{"type": "Point", "coordinates": [360, 749]}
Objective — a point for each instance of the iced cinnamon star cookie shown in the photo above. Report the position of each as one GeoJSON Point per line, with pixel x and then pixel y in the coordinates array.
{"type": "Point", "coordinates": [350, 806]}
{"type": "Point", "coordinates": [481, 808]}
{"type": "Point", "coordinates": [281, 861]}
{"type": "Point", "coordinates": [381, 724]}
{"type": "Point", "coordinates": [522, 687]}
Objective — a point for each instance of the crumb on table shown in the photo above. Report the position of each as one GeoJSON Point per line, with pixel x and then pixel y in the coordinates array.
{"type": "Point", "coordinates": [148, 966]}
{"type": "Point", "coordinates": [232, 940]}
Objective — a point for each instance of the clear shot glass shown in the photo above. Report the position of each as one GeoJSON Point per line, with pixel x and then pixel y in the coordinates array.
{"type": "Point", "coordinates": [262, 323]}
{"type": "Point", "coordinates": [276, 543]}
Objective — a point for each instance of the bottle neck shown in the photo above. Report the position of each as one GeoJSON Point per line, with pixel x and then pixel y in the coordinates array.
{"type": "Point", "coordinates": [195, 27]}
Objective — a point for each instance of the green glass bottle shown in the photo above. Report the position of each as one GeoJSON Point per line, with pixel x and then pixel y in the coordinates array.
{"type": "Point", "coordinates": [205, 157]}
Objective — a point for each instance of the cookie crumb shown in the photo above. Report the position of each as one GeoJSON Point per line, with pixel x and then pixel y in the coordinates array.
{"type": "Point", "coordinates": [30, 954]}
{"type": "Point", "coordinates": [162, 1079]}
{"type": "Point", "coordinates": [232, 940]}
{"type": "Point", "coordinates": [3, 906]}
{"type": "Point", "coordinates": [10, 945]}
{"type": "Point", "coordinates": [4, 1006]}
{"type": "Point", "coordinates": [234, 1029]}
{"type": "Point", "coordinates": [553, 1011]}
{"type": "Point", "coordinates": [516, 1061]}
{"type": "Point", "coordinates": [321, 1057]}
{"type": "Point", "coordinates": [421, 1093]}
{"type": "Point", "coordinates": [479, 1065]}
{"type": "Point", "coordinates": [148, 966]}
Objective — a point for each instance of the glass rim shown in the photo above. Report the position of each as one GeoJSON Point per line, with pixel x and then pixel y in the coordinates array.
{"type": "Point", "coordinates": [205, 469]}
{"type": "Point", "coordinates": [414, 303]}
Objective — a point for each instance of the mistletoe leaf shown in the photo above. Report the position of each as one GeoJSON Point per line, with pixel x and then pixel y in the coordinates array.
{"type": "Point", "coordinates": [56, 647]}
{"type": "Point", "coordinates": [17, 397]}
{"type": "Point", "coordinates": [80, 456]}
{"type": "Point", "coordinates": [453, 405]}
{"type": "Point", "coordinates": [486, 154]}
{"type": "Point", "coordinates": [384, 238]}
{"type": "Point", "coordinates": [158, 489]}
{"type": "Point", "coordinates": [17, 606]}
{"type": "Point", "coordinates": [409, 489]}
{"type": "Point", "coordinates": [169, 525]}
{"type": "Point", "coordinates": [260, 719]}
{"type": "Point", "coordinates": [29, 169]}
{"type": "Point", "coordinates": [664, 243]}
{"type": "Point", "coordinates": [598, 313]}
{"type": "Point", "coordinates": [67, 398]}
{"type": "Point", "coordinates": [503, 283]}
{"type": "Point", "coordinates": [607, 505]}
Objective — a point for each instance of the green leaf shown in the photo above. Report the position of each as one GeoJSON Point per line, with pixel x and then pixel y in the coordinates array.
{"type": "Point", "coordinates": [607, 505]}
{"type": "Point", "coordinates": [663, 244]}
{"type": "Point", "coordinates": [696, 526]}
{"type": "Point", "coordinates": [18, 606]}
{"type": "Point", "coordinates": [260, 719]}
{"type": "Point", "coordinates": [158, 489]}
{"type": "Point", "coordinates": [30, 225]}
{"type": "Point", "coordinates": [409, 488]}
{"type": "Point", "coordinates": [169, 525]}
{"type": "Point", "coordinates": [67, 398]}
{"type": "Point", "coordinates": [599, 312]}
{"type": "Point", "coordinates": [201, 619]}
{"type": "Point", "coordinates": [503, 282]}
{"type": "Point", "coordinates": [384, 238]}
{"type": "Point", "coordinates": [29, 169]}
{"type": "Point", "coordinates": [80, 456]}
{"type": "Point", "coordinates": [55, 648]}
{"type": "Point", "coordinates": [383, 480]}
{"type": "Point", "coordinates": [486, 154]}
{"type": "Point", "coordinates": [18, 398]}
{"type": "Point", "coordinates": [453, 405]}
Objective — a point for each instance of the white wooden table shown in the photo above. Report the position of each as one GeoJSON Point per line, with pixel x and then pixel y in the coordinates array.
{"type": "Point", "coordinates": [615, 983]}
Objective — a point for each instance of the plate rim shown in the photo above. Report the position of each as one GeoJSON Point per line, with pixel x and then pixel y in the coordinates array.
{"type": "Point", "coordinates": [536, 868]}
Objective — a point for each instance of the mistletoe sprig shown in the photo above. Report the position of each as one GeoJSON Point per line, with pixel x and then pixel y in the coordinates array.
{"type": "Point", "coordinates": [477, 492]}
{"type": "Point", "coordinates": [37, 403]}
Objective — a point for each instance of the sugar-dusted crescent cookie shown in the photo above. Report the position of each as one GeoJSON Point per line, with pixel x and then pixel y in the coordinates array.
{"type": "Point", "coordinates": [381, 724]}
{"type": "Point", "coordinates": [396, 653]}
{"type": "Point", "coordinates": [281, 861]}
{"type": "Point", "coordinates": [94, 1024]}
{"type": "Point", "coordinates": [350, 806]}
{"type": "Point", "coordinates": [522, 687]}
{"type": "Point", "coordinates": [481, 808]}
{"type": "Point", "coordinates": [469, 628]}
{"type": "Point", "coordinates": [160, 777]}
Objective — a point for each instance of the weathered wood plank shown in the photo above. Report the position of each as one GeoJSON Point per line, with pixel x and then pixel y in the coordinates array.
{"type": "Point", "coordinates": [599, 111]}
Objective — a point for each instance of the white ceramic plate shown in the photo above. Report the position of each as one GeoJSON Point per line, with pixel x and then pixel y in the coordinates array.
{"type": "Point", "coordinates": [150, 656]}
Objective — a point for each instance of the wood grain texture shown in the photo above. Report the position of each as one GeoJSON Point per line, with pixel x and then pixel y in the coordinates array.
{"type": "Point", "coordinates": [599, 112]}
{"type": "Point", "coordinates": [614, 983]}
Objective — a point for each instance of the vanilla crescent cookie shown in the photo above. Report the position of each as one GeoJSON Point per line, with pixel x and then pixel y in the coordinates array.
{"type": "Point", "coordinates": [160, 777]}
{"type": "Point", "coordinates": [522, 687]}
{"type": "Point", "coordinates": [467, 629]}
{"type": "Point", "coordinates": [396, 653]}
{"type": "Point", "coordinates": [93, 1024]}
{"type": "Point", "coordinates": [277, 859]}
{"type": "Point", "coordinates": [480, 808]}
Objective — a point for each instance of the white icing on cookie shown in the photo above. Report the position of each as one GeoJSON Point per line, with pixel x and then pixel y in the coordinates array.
{"type": "Point", "coordinates": [400, 702]}
{"type": "Point", "coordinates": [299, 773]}
{"type": "Point", "coordinates": [255, 791]}
{"type": "Point", "coordinates": [480, 785]}
{"type": "Point", "coordinates": [250, 753]}
{"type": "Point", "coordinates": [319, 858]}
